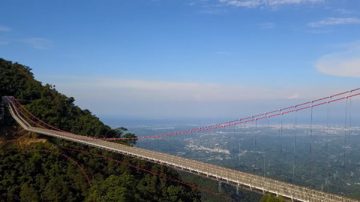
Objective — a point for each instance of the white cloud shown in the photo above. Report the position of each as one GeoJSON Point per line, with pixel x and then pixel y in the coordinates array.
{"type": "Point", "coordinates": [266, 3]}
{"type": "Point", "coordinates": [335, 21]}
{"type": "Point", "coordinates": [344, 63]}
{"type": "Point", "coordinates": [4, 28]}
{"type": "Point", "coordinates": [284, 2]}
{"type": "Point", "coordinates": [155, 99]}
{"type": "Point", "coordinates": [38, 43]}
{"type": "Point", "coordinates": [159, 99]}
{"type": "Point", "coordinates": [170, 91]}
{"type": "Point", "coordinates": [243, 3]}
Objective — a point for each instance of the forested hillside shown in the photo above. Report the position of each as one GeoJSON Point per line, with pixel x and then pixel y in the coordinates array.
{"type": "Point", "coordinates": [38, 168]}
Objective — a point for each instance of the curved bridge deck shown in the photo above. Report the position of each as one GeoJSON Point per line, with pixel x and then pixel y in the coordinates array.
{"type": "Point", "coordinates": [237, 178]}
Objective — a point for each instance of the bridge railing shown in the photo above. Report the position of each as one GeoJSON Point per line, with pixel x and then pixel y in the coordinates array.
{"type": "Point", "coordinates": [212, 171]}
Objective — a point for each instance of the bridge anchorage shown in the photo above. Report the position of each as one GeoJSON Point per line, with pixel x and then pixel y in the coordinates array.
{"type": "Point", "coordinates": [237, 178]}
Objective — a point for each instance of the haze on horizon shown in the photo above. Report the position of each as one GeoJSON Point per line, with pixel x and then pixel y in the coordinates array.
{"type": "Point", "coordinates": [186, 58]}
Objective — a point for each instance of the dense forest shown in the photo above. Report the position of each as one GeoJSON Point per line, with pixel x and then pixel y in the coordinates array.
{"type": "Point", "coordinates": [38, 168]}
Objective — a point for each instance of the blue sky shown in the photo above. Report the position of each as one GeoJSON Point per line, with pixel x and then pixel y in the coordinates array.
{"type": "Point", "coordinates": [186, 58]}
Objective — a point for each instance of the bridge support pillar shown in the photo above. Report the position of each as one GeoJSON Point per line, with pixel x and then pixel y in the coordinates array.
{"type": "Point", "coordinates": [219, 187]}
{"type": "Point", "coordinates": [237, 190]}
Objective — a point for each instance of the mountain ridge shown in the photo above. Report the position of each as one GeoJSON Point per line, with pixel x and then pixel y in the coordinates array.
{"type": "Point", "coordinates": [51, 170]}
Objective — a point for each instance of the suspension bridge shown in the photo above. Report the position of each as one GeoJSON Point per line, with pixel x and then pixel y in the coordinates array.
{"type": "Point", "coordinates": [262, 184]}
